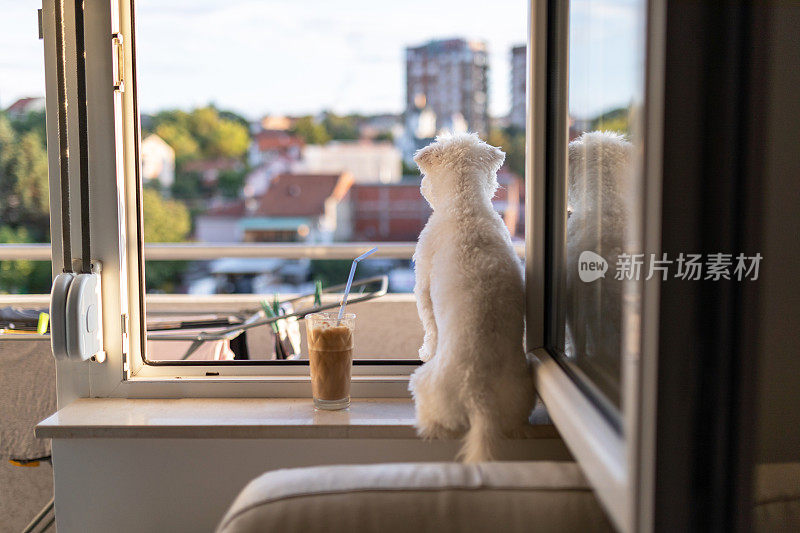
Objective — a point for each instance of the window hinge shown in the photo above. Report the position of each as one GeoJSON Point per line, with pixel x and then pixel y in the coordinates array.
{"type": "Point", "coordinates": [118, 63]}
{"type": "Point", "coordinates": [41, 30]}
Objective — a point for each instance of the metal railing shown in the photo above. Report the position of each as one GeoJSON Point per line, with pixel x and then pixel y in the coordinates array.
{"type": "Point", "coordinates": [174, 251]}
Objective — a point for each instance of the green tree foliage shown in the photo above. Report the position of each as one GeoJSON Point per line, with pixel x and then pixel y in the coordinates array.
{"type": "Point", "coordinates": [164, 221]}
{"type": "Point", "coordinates": [515, 154]}
{"type": "Point", "coordinates": [228, 139]}
{"type": "Point", "coordinates": [311, 131]}
{"type": "Point", "coordinates": [341, 128]}
{"type": "Point", "coordinates": [24, 186]}
{"type": "Point", "coordinates": [330, 271]}
{"type": "Point", "coordinates": [23, 276]}
{"type": "Point", "coordinates": [203, 133]}
{"type": "Point", "coordinates": [410, 169]}
{"type": "Point", "coordinates": [616, 120]}
{"type": "Point", "coordinates": [512, 142]}
{"type": "Point", "coordinates": [178, 137]}
{"type": "Point", "coordinates": [188, 186]}
{"type": "Point", "coordinates": [34, 122]}
{"type": "Point", "coordinates": [499, 138]}
{"type": "Point", "coordinates": [231, 182]}
{"type": "Point", "coordinates": [384, 136]}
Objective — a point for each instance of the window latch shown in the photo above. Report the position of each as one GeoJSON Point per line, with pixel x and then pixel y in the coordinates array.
{"type": "Point", "coordinates": [118, 62]}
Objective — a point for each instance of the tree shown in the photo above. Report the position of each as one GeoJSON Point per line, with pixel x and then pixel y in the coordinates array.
{"type": "Point", "coordinates": [410, 169]}
{"type": "Point", "coordinates": [203, 133]}
{"type": "Point", "coordinates": [616, 120]}
{"type": "Point", "coordinates": [24, 184]}
{"type": "Point", "coordinates": [498, 138]}
{"type": "Point", "coordinates": [330, 271]}
{"type": "Point", "coordinates": [512, 142]}
{"type": "Point", "coordinates": [515, 154]}
{"type": "Point", "coordinates": [188, 186]}
{"type": "Point", "coordinates": [178, 137]}
{"type": "Point", "coordinates": [342, 128]}
{"type": "Point", "coordinates": [164, 221]}
{"type": "Point", "coordinates": [231, 182]}
{"type": "Point", "coordinates": [33, 121]}
{"type": "Point", "coordinates": [218, 137]}
{"type": "Point", "coordinates": [228, 139]}
{"type": "Point", "coordinates": [311, 131]}
{"type": "Point", "coordinates": [23, 276]}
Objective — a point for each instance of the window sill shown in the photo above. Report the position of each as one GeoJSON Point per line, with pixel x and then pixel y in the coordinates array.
{"type": "Point", "coordinates": [238, 418]}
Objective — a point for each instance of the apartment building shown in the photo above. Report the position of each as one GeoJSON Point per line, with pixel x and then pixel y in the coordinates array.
{"type": "Point", "coordinates": [449, 77]}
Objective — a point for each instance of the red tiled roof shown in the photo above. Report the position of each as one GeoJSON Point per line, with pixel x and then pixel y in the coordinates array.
{"type": "Point", "coordinates": [290, 195]}
{"type": "Point", "coordinates": [268, 140]}
{"type": "Point", "coordinates": [22, 104]}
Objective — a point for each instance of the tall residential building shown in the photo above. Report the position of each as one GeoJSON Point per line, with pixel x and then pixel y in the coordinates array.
{"type": "Point", "coordinates": [449, 78]}
{"type": "Point", "coordinates": [518, 81]}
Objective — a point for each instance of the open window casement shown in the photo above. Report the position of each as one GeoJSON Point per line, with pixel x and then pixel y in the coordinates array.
{"type": "Point", "coordinates": [598, 382]}
{"type": "Point", "coordinates": [101, 162]}
{"type": "Point", "coordinates": [115, 198]}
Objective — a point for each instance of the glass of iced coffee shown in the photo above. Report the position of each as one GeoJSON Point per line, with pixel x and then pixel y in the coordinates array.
{"type": "Point", "coordinates": [330, 354]}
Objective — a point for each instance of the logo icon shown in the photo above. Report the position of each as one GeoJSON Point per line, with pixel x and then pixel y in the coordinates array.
{"type": "Point", "coordinates": [591, 266]}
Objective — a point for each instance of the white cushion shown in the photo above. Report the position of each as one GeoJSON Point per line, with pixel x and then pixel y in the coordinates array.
{"type": "Point", "coordinates": [419, 497]}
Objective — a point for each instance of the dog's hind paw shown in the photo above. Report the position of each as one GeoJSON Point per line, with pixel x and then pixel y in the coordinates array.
{"type": "Point", "coordinates": [435, 430]}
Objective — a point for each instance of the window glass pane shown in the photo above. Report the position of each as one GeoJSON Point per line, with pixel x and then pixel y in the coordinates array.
{"type": "Point", "coordinates": [602, 193]}
{"type": "Point", "coordinates": [296, 122]}
{"type": "Point", "coordinates": [24, 186]}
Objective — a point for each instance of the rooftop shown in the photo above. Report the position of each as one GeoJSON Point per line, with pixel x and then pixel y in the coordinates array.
{"type": "Point", "coordinates": [290, 195]}
{"type": "Point", "coordinates": [267, 140]}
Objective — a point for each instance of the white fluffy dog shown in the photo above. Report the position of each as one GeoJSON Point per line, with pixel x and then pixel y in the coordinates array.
{"type": "Point", "coordinates": [470, 298]}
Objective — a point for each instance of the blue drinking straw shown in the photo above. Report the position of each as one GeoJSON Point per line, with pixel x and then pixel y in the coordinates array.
{"type": "Point", "coordinates": [350, 281]}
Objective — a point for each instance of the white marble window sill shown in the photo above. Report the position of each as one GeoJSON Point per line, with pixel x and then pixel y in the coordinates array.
{"type": "Point", "coordinates": [237, 418]}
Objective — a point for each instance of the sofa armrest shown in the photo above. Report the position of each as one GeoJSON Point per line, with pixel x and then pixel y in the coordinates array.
{"type": "Point", "coordinates": [419, 497]}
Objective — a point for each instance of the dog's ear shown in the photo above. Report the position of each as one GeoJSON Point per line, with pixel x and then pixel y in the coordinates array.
{"type": "Point", "coordinates": [428, 158]}
{"type": "Point", "coordinates": [494, 157]}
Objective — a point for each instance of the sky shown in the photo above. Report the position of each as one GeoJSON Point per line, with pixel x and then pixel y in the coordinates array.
{"type": "Point", "coordinates": [304, 56]}
{"type": "Point", "coordinates": [606, 47]}
{"type": "Point", "coordinates": [278, 56]}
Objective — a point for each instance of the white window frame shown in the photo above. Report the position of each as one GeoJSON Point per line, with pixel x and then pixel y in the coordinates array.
{"type": "Point", "coordinates": [619, 465]}
{"type": "Point", "coordinates": [115, 195]}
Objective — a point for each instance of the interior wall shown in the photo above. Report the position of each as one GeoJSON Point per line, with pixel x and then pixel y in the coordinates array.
{"type": "Point", "coordinates": [779, 358]}
{"type": "Point", "coordinates": [176, 485]}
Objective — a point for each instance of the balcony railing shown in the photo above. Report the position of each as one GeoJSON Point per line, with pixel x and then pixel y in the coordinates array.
{"type": "Point", "coordinates": [209, 251]}
{"type": "Point", "coordinates": [400, 342]}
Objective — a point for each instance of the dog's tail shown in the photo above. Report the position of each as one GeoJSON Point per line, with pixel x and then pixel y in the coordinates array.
{"type": "Point", "coordinates": [481, 440]}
